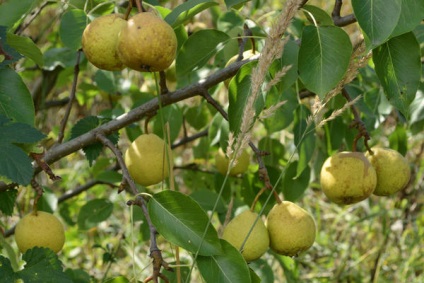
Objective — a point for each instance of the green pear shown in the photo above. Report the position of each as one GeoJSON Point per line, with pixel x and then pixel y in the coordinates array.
{"type": "Point", "coordinates": [393, 171]}
{"type": "Point", "coordinates": [348, 177]}
{"type": "Point", "coordinates": [291, 229]}
{"type": "Point", "coordinates": [222, 162]}
{"type": "Point", "coordinates": [238, 229]}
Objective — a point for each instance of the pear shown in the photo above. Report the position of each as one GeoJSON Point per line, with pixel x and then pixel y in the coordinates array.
{"type": "Point", "coordinates": [393, 171]}
{"type": "Point", "coordinates": [238, 229]}
{"type": "Point", "coordinates": [240, 166]}
{"type": "Point", "coordinates": [40, 229]}
{"type": "Point", "coordinates": [348, 177]}
{"type": "Point", "coordinates": [99, 41]}
{"type": "Point", "coordinates": [291, 229]}
{"type": "Point", "coordinates": [147, 43]}
{"type": "Point", "coordinates": [147, 160]}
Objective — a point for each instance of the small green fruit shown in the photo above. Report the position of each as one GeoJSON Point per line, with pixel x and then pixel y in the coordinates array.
{"type": "Point", "coordinates": [222, 162]}
{"type": "Point", "coordinates": [99, 41]}
{"type": "Point", "coordinates": [237, 230]}
{"type": "Point", "coordinates": [348, 177]}
{"type": "Point", "coordinates": [291, 229]}
{"type": "Point", "coordinates": [147, 161]}
{"type": "Point", "coordinates": [39, 229]}
{"type": "Point", "coordinates": [393, 171]}
{"type": "Point", "coordinates": [147, 43]}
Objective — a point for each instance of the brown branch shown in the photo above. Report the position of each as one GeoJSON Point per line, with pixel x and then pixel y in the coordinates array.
{"type": "Point", "coordinates": [188, 139]}
{"type": "Point", "coordinates": [33, 15]}
{"type": "Point", "coordinates": [61, 150]}
{"type": "Point", "coordinates": [339, 20]}
{"type": "Point", "coordinates": [71, 99]}
{"type": "Point", "coordinates": [357, 124]}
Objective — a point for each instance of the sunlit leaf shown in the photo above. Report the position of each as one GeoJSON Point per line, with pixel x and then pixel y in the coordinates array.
{"type": "Point", "coordinates": [181, 221]}
{"type": "Point", "coordinates": [323, 57]}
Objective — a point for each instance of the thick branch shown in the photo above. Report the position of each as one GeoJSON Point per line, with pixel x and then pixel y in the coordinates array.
{"type": "Point", "coordinates": [339, 20]}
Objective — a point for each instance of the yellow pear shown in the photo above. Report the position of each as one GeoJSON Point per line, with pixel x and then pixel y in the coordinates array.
{"type": "Point", "coordinates": [291, 229]}
{"type": "Point", "coordinates": [222, 162]}
{"type": "Point", "coordinates": [147, 160]}
{"type": "Point", "coordinates": [40, 229]}
{"type": "Point", "coordinates": [348, 177]}
{"type": "Point", "coordinates": [238, 229]}
{"type": "Point", "coordinates": [393, 171]}
{"type": "Point", "coordinates": [147, 43]}
{"type": "Point", "coordinates": [246, 55]}
{"type": "Point", "coordinates": [99, 41]}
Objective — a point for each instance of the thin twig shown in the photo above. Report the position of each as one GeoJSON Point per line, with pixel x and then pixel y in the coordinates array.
{"type": "Point", "coordinates": [71, 99]}
{"type": "Point", "coordinates": [358, 124]}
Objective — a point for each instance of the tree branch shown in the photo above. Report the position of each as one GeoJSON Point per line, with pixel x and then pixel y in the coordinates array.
{"type": "Point", "coordinates": [339, 20]}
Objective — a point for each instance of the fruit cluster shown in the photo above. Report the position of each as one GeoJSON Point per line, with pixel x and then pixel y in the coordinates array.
{"type": "Point", "coordinates": [288, 230]}
{"type": "Point", "coordinates": [144, 43]}
{"type": "Point", "coordinates": [350, 177]}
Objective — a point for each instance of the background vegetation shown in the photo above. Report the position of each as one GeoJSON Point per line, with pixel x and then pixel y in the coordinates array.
{"type": "Point", "coordinates": [57, 109]}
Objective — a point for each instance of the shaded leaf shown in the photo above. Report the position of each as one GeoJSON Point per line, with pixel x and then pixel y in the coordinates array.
{"type": "Point", "coordinates": [319, 15]}
{"type": "Point", "coordinates": [94, 212]}
{"type": "Point", "coordinates": [304, 138]}
{"type": "Point", "coordinates": [63, 57]}
{"type": "Point", "coordinates": [187, 10]}
{"type": "Point", "coordinates": [7, 201]}
{"type": "Point", "coordinates": [181, 221]}
{"type": "Point", "coordinates": [6, 271]}
{"type": "Point", "coordinates": [87, 124]}
{"type": "Point", "coordinates": [239, 91]}
{"type": "Point", "coordinates": [8, 54]}
{"type": "Point", "coordinates": [15, 98]}
{"type": "Point", "coordinates": [12, 11]}
{"type": "Point", "coordinates": [232, 3]}
{"type": "Point", "coordinates": [207, 200]}
{"type": "Point", "coordinates": [14, 161]}
{"type": "Point", "coordinates": [171, 115]}
{"type": "Point", "coordinates": [198, 49]}
{"type": "Point", "coordinates": [323, 57]}
{"type": "Point", "coordinates": [229, 266]}
{"type": "Point", "coordinates": [263, 270]}
{"type": "Point", "coordinates": [42, 265]}
{"type": "Point", "coordinates": [412, 13]}
{"type": "Point", "coordinates": [72, 25]}
{"type": "Point", "coordinates": [26, 47]}
{"type": "Point", "coordinates": [294, 186]}
{"type": "Point", "coordinates": [377, 18]}
{"type": "Point", "coordinates": [398, 66]}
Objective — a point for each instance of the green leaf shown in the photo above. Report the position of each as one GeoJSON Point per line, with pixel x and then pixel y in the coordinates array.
{"type": "Point", "coordinates": [323, 57]}
{"type": "Point", "coordinates": [229, 266]}
{"type": "Point", "coordinates": [106, 81]}
{"type": "Point", "coordinates": [6, 271]}
{"type": "Point", "coordinates": [7, 201]}
{"type": "Point", "coordinates": [72, 25]}
{"type": "Point", "coordinates": [26, 47]}
{"type": "Point", "coordinates": [207, 200]}
{"type": "Point", "coordinates": [319, 16]}
{"type": "Point", "coordinates": [15, 98]}
{"type": "Point", "coordinates": [263, 270]}
{"type": "Point", "coordinates": [304, 138]}
{"type": "Point", "coordinates": [232, 3]}
{"type": "Point", "coordinates": [181, 221]}
{"type": "Point", "coordinates": [48, 201]}
{"type": "Point", "coordinates": [398, 139]}
{"type": "Point", "coordinates": [198, 116]}
{"type": "Point", "coordinates": [412, 12]}
{"type": "Point", "coordinates": [94, 212]}
{"type": "Point", "coordinates": [239, 91]}
{"type": "Point", "coordinates": [275, 150]}
{"type": "Point", "coordinates": [87, 124]}
{"type": "Point", "coordinates": [187, 10]}
{"type": "Point", "coordinates": [63, 57]}
{"type": "Point", "coordinates": [8, 54]}
{"type": "Point", "coordinates": [14, 161]}
{"type": "Point", "coordinates": [198, 49]}
{"type": "Point", "coordinates": [79, 275]}
{"type": "Point", "coordinates": [398, 66]}
{"type": "Point", "coordinates": [171, 115]}
{"type": "Point", "coordinates": [283, 117]}
{"type": "Point", "coordinates": [377, 18]}
{"type": "Point", "coordinates": [42, 265]}
{"type": "Point", "coordinates": [12, 11]}
{"type": "Point", "coordinates": [294, 186]}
